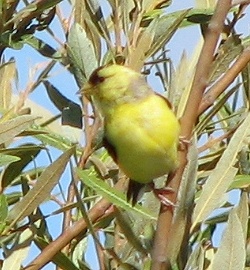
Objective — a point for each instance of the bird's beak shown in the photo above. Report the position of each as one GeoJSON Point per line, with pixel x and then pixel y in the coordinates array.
{"type": "Point", "coordinates": [86, 90]}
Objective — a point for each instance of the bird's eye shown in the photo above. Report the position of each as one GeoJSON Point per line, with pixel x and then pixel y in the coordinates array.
{"type": "Point", "coordinates": [95, 78]}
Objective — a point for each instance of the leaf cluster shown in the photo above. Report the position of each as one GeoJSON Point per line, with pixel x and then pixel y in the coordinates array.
{"type": "Point", "coordinates": [213, 188]}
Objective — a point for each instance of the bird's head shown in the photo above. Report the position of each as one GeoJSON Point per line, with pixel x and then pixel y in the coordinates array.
{"type": "Point", "coordinates": [112, 85]}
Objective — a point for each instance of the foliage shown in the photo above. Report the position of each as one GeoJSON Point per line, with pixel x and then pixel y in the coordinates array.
{"type": "Point", "coordinates": [211, 99]}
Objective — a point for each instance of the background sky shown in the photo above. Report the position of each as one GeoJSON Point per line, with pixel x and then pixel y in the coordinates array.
{"type": "Point", "coordinates": [28, 59]}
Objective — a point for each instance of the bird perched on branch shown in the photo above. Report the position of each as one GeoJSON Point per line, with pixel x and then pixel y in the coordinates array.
{"type": "Point", "coordinates": [141, 132]}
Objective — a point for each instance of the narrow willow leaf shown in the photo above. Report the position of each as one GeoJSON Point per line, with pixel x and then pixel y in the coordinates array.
{"type": "Point", "coordinates": [196, 258]}
{"type": "Point", "coordinates": [227, 52]}
{"type": "Point", "coordinates": [222, 176]}
{"type": "Point", "coordinates": [7, 159]}
{"type": "Point", "coordinates": [59, 141]}
{"type": "Point", "coordinates": [111, 194]}
{"type": "Point", "coordinates": [60, 259]}
{"type": "Point", "coordinates": [11, 128]}
{"type": "Point", "coordinates": [59, 100]}
{"type": "Point", "coordinates": [137, 56]}
{"type": "Point", "coordinates": [240, 181]}
{"type": "Point", "coordinates": [95, 12]}
{"type": "Point", "coordinates": [41, 191]}
{"type": "Point", "coordinates": [20, 251]}
{"type": "Point", "coordinates": [71, 111]}
{"type": "Point", "coordinates": [149, 5]}
{"type": "Point", "coordinates": [26, 153]}
{"type": "Point", "coordinates": [79, 249]}
{"type": "Point", "coordinates": [126, 7]}
{"type": "Point", "coordinates": [185, 202]}
{"type": "Point", "coordinates": [167, 25]}
{"type": "Point", "coordinates": [232, 246]}
{"type": "Point", "coordinates": [3, 207]}
{"type": "Point", "coordinates": [34, 8]}
{"type": "Point", "coordinates": [243, 212]}
{"type": "Point", "coordinates": [182, 79]}
{"type": "Point", "coordinates": [42, 47]}
{"type": "Point", "coordinates": [126, 225]}
{"type": "Point", "coordinates": [41, 113]}
{"type": "Point", "coordinates": [7, 75]}
{"type": "Point", "coordinates": [81, 53]}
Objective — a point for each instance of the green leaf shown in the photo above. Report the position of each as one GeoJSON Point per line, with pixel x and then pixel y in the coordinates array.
{"type": "Point", "coordinates": [71, 111]}
{"type": "Point", "coordinates": [240, 181]}
{"type": "Point", "coordinates": [222, 176]}
{"type": "Point", "coordinates": [7, 76]}
{"type": "Point", "coordinates": [60, 259]}
{"type": "Point", "coordinates": [113, 195]}
{"type": "Point", "coordinates": [166, 27]}
{"type": "Point", "coordinates": [3, 207]}
{"type": "Point", "coordinates": [185, 203]}
{"type": "Point", "coordinates": [94, 10]}
{"type": "Point", "coordinates": [19, 252]}
{"type": "Point", "coordinates": [232, 246]}
{"type": "Point", "coordinates": [57, 140]}
{"type": "Point", "coordinates": [42, 47]}
{"type": "Point", "coordinates": [242, 211]}
{"type": "Point", "coordinates": [7, 159]}
{"type": "Point", "coordinates": [11, 128]}
{"type": "Point", "coordinates": [81, 53]}
{"type": "Point", "coordinates": [41, 191]}
{"type": "Point", "coordinates": [26, 153]}
{"type": "Point", "coordinates": [228, 51]}
{"type": "Point", "coordinates": [13, 197]}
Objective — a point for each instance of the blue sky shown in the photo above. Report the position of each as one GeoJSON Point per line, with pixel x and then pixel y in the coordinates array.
{"type": "Point", "coordinates": [27, 58]}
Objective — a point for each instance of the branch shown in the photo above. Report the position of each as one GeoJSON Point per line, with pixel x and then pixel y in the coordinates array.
{"type": "Point", "coordinates": [219, 87]}
{"type": "Point", "coordinates": [162, 243]}
{"type": "Point", "coordinates": [79, 228]}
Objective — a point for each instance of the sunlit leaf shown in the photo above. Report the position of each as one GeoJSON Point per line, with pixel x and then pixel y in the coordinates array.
{"type": "Point", "coordinates": [41, 191]}
{"type": "Point", "coordinates": [81, 53]}
{"type": "Point", "coordinates": [232, 246]}
{"type": "Point", "coordinates": [3, 207]}
{"type": "Point", "coordinates": [6, 159]}
{"type": "Point", "coordinates": [25, 153]}
{"type": "Point", "coordinates": [228, 51]}
{"type": "Point", "coordinates": [7, 76]}
{"type": "Point", "coordinates": [11, 128]}
{"type": "Point", "coordinates": [60, 258]}
{"type": "Point", "coordinates": [110, 193]}
{"type": "Point", "coordinates": [19, 252]}
{"type": "Point", "coordinates": [240, 181]}
{"type": "Point", "coordinates": [222, 176]}
{"type": "Point", "coordinates": [167, 25]}
{"type": "Point", "coordinates": [186, 199]}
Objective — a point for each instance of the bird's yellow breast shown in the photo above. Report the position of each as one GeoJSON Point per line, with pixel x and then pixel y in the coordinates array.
{"type": "Point", "coordinates": [145, 137]}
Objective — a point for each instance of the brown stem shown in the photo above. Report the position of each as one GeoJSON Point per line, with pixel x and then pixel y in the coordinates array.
{"type": "Point", "coordinates": [98, 211]}
{"type": "Point", "coordinates": [162, 242]}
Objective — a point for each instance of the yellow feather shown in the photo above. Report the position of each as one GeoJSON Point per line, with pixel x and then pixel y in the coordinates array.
{"type": "Point", "coordinates": [139, 124]}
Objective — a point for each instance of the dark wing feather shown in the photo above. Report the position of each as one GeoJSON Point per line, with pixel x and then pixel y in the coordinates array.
{"type": "Point", "coordinates": [110, 148]}
{"type": "Point", "coordinates": [133, 186]}
{"type": "Point", "coordinates": [166, 100]}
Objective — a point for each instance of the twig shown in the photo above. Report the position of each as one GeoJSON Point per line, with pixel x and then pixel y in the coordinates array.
{"type": "Point", "coordinates": [72, 232]}
{"type": "Point", "coordinates": [225, 81]}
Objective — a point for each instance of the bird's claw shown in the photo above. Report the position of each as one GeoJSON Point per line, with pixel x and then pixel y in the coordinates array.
{"type": "Point", "coordinates": [183, 143]}
{"type": "Point", "coordinates": [161, 195]}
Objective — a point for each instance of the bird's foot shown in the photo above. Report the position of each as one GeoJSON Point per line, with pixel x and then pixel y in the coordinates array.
{"type": "Point", "coordinates": [161, 193]}
{"type": "Point", "coordinates": [183, 143]}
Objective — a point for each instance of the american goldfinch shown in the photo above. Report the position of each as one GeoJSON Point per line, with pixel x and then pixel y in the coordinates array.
{"type": "Point", "coordinates": [141, 132]}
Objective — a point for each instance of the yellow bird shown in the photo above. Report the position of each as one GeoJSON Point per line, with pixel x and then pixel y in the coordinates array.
{"type": "Point", "coordinates": [141, 132]}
